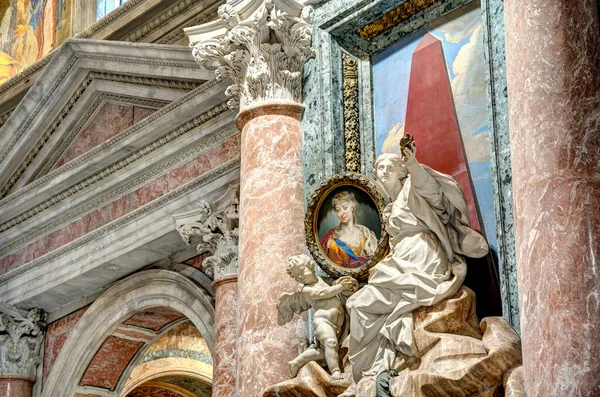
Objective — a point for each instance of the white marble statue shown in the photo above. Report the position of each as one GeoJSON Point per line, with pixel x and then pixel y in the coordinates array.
{"type": "Point", "coordinates": [329, 312]}
{"type": "Point", "coordinates": [428, 224]}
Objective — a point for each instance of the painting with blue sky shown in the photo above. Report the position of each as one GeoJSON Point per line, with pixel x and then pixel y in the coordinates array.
{"type": "Point", "coordinates": [461, 35]}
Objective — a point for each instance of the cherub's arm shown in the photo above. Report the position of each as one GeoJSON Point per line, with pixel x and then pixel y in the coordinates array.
{"type": "Point", "coordinates": [320, 293]}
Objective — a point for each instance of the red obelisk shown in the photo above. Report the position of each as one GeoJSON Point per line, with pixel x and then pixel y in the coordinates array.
{"type": "Point", "coordinates": [431, 118]}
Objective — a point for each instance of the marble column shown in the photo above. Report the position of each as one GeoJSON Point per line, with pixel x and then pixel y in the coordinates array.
{"type": "Point", "coordinates": [16, 386]}
{"type": "Point", "coordinates": [214, 226]}
{"type": "Point", "coordinates": [225, 357]}
{"type": "Point", "coordinates": [553, 71]}
{"type": "Point", "coordinates": [20, 343]}
{"type": "Point", "coordinates": [262, 48]}
{"type": "Point", "coordinates": [271, 230]}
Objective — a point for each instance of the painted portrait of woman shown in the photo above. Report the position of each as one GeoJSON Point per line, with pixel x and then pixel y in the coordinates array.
{"type": "Point", "coordinates": [348, 244]}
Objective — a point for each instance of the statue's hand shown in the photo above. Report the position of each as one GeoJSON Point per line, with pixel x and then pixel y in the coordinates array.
{"type": "Point", "coordinates": [348, 283]}
{"type": "Point", "coordinates": [410, 153]}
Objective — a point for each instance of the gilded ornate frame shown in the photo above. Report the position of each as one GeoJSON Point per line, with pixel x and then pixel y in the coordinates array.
{"type": "Point", "coordinates": [368, 186]}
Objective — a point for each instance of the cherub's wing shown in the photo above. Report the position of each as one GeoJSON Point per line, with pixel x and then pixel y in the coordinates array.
{"type": "Point", "coordinates": [289, 304]}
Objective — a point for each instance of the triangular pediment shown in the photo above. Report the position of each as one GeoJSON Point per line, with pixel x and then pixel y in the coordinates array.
{"type": "Point", "coordinates": [87, 94]}
{"type": "Point", "coordinates": [108, 119]}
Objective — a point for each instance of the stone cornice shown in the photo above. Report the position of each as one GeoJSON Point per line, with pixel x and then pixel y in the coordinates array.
{"type": "Point", "coordinates": [131, 217]}
{"type": "Point", "coordinates": [47, 179]}
{"type": "Point", "coordinates": [93, 30]}
{"type": "Point", "coordinates": [110, 18]}
{"type": "Point", "coordinates": [126, 58]}
{"type": "Point", "coordinates": [178, 33]}
{"type": "Point", "coordinates": [92, 76]}
{"type": "Point", "coordinates": [143, 31]}
{"type": "Point", "coordinates": [125, 162]}
{"type": "Point", "coordinates": [90, 206]}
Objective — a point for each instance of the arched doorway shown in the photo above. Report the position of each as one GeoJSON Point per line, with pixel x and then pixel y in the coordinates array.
{"type": "Point", "coordinates": [178, 364]}
{"type": "Point", "coordinates": [119, 327]}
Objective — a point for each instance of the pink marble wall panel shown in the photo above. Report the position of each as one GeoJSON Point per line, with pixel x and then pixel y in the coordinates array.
{"type": "Point", "coordinates": [271, 230]}
{"type": "Point", "coordinates": [15, 386]}
{"type": "Point", "coordinates": [109, 363]}
{"type": "Point", "coordinates": [56, 336]}
{"type": "Point", "coordinates": [145, 194]}
{"type": "Point", "coordinates": [111, 119]}
{"type": "Point", "coordinates": [224, 374]}
{"type": "Point", "coordinates": [141, 113]}
{"type": "Point", "coordinates": [553, 70]}
{"type": "Point", "coordinates": [197, 261]}
{"type": "Point", "coordinates": [154, 319]}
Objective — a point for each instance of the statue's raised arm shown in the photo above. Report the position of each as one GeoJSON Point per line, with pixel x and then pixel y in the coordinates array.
{"type": "Point", "coordinates": [429, 235]}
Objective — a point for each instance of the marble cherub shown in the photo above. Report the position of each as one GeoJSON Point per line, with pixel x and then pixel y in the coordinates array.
{"type": "Point", "coordinates": [329, 312]}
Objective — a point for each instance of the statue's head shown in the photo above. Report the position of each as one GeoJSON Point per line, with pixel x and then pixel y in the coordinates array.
{"type": "Point", "coordinates": [302, 268]}
{"type": "Point", "coordinates": [390, 171]}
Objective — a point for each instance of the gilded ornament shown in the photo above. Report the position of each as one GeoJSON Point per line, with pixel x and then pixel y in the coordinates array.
{"type": "Point", "coordinates": [351, 113]}
{"type": "Point", "coordinates": [393, 18]}
{"type": "Point", "coordinates": [353, 202]}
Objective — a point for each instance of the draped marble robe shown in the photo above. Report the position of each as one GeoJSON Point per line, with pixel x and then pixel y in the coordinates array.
{"type": "Point", "coordinates": [429, 234]}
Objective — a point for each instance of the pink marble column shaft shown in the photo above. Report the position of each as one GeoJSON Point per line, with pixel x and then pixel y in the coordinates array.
{"type": "Point", "coordinates": [224, 363]}
{"type": "Point", "coordinates": [271, 230]}
{"type": "Point", "coordinates": [553, 70]}
{"type": "Point", "coordinates": [15, 386]}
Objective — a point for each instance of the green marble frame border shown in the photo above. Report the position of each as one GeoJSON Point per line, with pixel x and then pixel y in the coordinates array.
{"type": "Point", "coordinates": [335, 31]}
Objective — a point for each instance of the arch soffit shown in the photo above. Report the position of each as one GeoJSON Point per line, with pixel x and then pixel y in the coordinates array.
{"type": "Point", "coordinates": [169, 370]}
{"type": "Point", "coordinates": [143, 290]}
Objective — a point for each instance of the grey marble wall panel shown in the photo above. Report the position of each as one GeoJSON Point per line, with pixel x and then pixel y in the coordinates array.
{"type": "Point", "coordinates": [322, 123]}
{"type": "Point", "coordinates": [493, 15]}
{"type": "Point", "coordinates": [367, 123]}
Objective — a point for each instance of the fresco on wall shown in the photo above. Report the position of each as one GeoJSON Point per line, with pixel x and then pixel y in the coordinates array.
{"type": "Point", "coordinates": [431, 84]}
{"type": "Point", "coordinates": [29, 29]}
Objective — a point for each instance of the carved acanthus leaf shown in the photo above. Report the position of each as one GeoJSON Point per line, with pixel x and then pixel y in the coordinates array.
{"type": "Point", "coordinates": [262, 54]}
{"type": "Point", "coordinates": [20, 343]}
{"type": "Point", "coordinates": [216, 232]}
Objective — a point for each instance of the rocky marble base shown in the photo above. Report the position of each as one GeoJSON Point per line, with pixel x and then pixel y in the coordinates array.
{"type": "Point", "coordinates": [457, 356]}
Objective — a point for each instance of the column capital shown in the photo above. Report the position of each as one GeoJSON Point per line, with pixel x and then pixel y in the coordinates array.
{"type": "Point", "coordinates": [214, 227]}
{"type": "Point", "coordinates": [261, 45]}
{"type": "Point", "coordinates": [20, 343]}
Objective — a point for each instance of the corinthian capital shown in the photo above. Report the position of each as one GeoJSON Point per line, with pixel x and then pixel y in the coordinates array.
{"type": "Point", "coordinates": [20, 343]}
{"type": "Point", "coordinates": [261, 45]}
{"type": "Point", "coordinates": [214, 228]}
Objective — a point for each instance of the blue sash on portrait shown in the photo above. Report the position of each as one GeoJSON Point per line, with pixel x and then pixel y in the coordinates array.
{"type": "Point", "coordinates": [346, 249]}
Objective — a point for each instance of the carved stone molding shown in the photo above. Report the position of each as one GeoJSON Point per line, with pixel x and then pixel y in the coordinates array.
{"type": "Point", "coordinates": [92, 76]}
{"type": "Point", "coordinates": [129, 131]}
{"type": "Point", "coordinates": [111, 169]}
{"type": "Point", "coordinates": [20, 343]}
{"type": "Point", "coordinates": [262, 47]}
{"type": "Point", "coordinates": [215, 227]}
{"type": "Point", "coordinates": [122, 222]}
